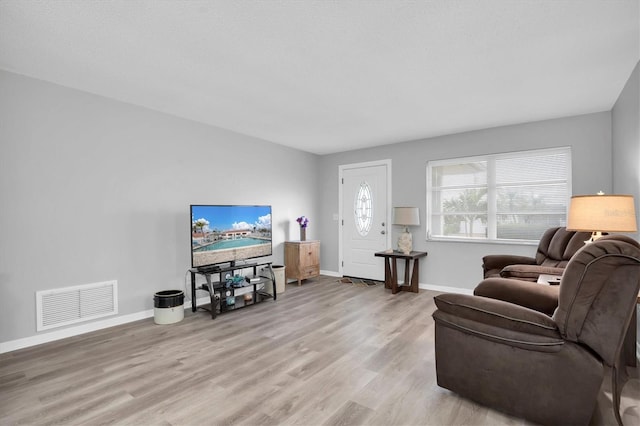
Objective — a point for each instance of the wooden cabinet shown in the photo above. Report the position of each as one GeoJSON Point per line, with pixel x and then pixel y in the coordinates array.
{"type": "Point", "coordinates": [302, 259]}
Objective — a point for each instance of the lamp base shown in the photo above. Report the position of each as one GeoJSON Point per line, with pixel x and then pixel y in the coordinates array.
{"type": "Point", "coordinates": [595, 235]}
{"type": "Point", "coordinates": [405, 242]}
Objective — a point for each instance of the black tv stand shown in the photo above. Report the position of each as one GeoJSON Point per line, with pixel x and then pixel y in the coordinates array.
{"type": "Point", "coordinates": [221, 295]}
{"type": "Point", "coordinates": [208, 269]}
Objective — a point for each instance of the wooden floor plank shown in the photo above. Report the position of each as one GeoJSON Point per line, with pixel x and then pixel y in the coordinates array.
{"type": "Point", "coordinates": [324, 353]}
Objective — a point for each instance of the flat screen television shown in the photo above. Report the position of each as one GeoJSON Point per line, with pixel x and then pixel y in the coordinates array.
{"type": "Point", "coordinates": [227, 234]}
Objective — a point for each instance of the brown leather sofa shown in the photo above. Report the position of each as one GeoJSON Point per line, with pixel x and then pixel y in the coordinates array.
{"type": "Point", "coordinates": [546, 369]}
{"type": "Point", "coordinates": [555, 248]}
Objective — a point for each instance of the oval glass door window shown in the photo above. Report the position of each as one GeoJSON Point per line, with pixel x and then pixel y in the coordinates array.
{"type": "Point", "coordinates": [363, 209]}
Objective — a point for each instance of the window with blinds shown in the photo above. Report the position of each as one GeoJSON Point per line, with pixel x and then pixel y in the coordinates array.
{"type": "Point", "coordinates": [511, 196]}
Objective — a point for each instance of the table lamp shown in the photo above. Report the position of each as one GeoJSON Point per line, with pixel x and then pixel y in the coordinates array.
{"type": "Point", "coordinates": [602, 213]}
{"type": "Point", "coordinates": [406, 216]}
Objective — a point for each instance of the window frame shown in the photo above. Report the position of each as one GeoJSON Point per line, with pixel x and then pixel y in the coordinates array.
{"type": "Point", "coordinates": [492, 214]}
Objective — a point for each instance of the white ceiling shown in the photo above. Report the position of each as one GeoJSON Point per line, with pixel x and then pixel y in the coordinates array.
{"type": "Point", "coordinates": [331, 76]}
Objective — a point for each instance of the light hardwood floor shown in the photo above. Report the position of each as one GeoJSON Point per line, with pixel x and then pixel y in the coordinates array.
{"type": "Point", "coordinates": [325, 353]}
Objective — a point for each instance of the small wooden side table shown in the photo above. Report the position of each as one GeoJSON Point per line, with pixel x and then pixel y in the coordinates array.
{"type": "Point", "coordinates": [302, 259]}
{"type": "Point", "coordinates": [391, 270]}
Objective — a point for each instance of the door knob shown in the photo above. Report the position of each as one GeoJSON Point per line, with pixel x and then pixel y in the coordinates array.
{"type": "Point", "coordinates": [382, 232]}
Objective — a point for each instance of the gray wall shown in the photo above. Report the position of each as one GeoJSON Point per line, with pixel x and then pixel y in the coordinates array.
{"type": "Point", "coordinates": [455, 264]}
{"type": "Point", "coordinates": [625, 123]}
{"type": "Point", "coordinates": [93, 189]}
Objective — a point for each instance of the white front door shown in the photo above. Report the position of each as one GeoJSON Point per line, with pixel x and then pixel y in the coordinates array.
{"type": "Point", "coordinates": [365, 212]}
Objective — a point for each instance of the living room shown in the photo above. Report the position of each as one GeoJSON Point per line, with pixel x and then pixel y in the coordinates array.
{"type": "Point", "coordinates": [97, 188]}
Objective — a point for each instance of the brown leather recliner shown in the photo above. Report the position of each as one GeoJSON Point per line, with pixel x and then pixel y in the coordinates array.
{"type": "Point", "coordinates": [544, 298]}
{"type": "Point", "coordinates": [546, 369]}
{"type": "Point", "coordinates": [555, 248]}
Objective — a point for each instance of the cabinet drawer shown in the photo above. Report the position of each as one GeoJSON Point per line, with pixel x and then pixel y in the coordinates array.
{"type": "Point", "coordinates": [310, 271]}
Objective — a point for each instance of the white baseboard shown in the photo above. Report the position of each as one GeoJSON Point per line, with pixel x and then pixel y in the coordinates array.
{"type": "Point", "coordinates": [38, 339]}
{"type": "Point", "coordinates": [445, 289]}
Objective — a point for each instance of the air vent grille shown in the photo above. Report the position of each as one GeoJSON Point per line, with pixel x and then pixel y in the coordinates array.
{"type": "Point", "coordinates": [70, 305]}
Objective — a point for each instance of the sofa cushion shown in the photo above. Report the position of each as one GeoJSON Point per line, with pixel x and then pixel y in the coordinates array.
{"type": "Point", "coordinates": [558, 245]}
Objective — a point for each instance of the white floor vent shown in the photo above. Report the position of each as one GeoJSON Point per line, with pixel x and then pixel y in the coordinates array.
{"type": "Point", "coordinates": [70, 305]}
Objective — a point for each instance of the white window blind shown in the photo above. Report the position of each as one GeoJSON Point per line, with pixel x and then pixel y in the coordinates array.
{"type": "Point", "coordinates": [511, 196]}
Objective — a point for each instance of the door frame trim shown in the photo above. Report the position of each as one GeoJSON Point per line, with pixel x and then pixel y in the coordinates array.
{"type": "Point", "coordinates": [341, 169]}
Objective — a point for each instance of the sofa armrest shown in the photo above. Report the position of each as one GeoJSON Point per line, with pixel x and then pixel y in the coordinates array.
{"type": "Point", "coordinates": [498, 321]}
{"type": "Point", "coordinates": [529, 272]}
{"type": "Point", "coordinates": [492, 264]}
{"type": "Point", "coordinates": [539, 297]}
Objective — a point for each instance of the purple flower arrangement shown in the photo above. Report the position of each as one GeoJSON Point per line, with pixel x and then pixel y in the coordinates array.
{"type": "Point", "coordinates": [303, 221]}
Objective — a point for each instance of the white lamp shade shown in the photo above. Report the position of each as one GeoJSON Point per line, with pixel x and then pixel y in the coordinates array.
{"type": "Point", "coordinates": [406, 216]}
{"type": "Point", "coordinates": [603, 213]}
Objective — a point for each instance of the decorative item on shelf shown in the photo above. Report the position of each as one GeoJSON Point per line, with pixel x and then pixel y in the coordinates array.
{"type": "Point", "coordinates": [234, 281]}
{"type": "Point", "coordinates": [601, 213]}
{"type": "Point", "coordinates": [303, 222]}
{"type": "Point", "coordinates": [406, 216]}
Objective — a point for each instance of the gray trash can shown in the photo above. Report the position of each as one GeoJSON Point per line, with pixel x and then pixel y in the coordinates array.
{"type": "Point", "coordinates": [168, 306]}
{"type": "Point", "coordinates": [278, 271]}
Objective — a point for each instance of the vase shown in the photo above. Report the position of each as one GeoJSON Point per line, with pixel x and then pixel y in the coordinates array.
{"type": "Point", "coordinates": [303, 233]}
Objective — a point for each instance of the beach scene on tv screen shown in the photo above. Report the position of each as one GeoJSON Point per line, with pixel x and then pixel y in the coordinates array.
{"type": "Point", "coordinates": [227, 233]}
